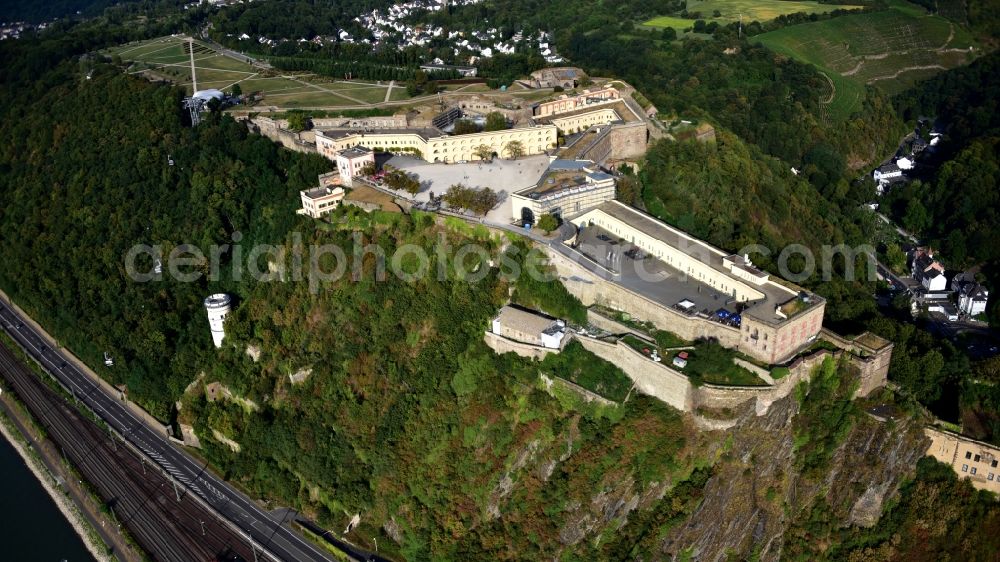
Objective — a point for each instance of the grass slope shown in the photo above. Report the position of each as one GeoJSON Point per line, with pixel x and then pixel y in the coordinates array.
{"type": "Point", "coordinates": [891, 49]}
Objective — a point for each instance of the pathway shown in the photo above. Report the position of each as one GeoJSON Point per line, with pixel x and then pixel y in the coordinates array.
{"type": "Point", "coordinates": [327, 90]}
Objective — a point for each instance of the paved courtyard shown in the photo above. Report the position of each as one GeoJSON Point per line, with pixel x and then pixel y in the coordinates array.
{"type": "Point", "coordinates": [503, 176]}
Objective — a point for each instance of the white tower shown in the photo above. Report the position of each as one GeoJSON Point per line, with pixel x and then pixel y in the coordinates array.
{"type": "Point", "coordinates": [217, 306]}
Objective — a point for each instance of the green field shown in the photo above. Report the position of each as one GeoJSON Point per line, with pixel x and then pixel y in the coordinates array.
{"type": "Point", "coordinates": [751, 10]}
{"type": "Point", "coordinates": [680, 24]}
{"type": "Point", "coordinates": [891, 49]}
{"type": "Point", "coordinates": [168, 58]}
{"type": "Point", "coordinates": [760, 10]}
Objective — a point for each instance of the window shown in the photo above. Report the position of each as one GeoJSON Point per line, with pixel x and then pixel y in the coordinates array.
{"type": "Point", "coordinates": [976, 459]}
{"type": "Point", "coordinates": [994, 463]}
{"type": "Point", "coordinates": [973, 471]}
{"type": "Point", "coordinates": [968, 454]}
{"type": "Point", "coordinates": [965, 468]}
{"type": "Point", "coordinates": [990, 477]}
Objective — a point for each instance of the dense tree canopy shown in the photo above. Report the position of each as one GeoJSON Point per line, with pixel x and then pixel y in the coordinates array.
{"type": "Point", "coordinates": [94, 167]}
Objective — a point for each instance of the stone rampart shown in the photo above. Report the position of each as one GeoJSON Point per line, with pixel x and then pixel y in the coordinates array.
{"type": "Point", "coordinates": [501, 344]}
{"type": "Point", "coordinates": [650, 378]}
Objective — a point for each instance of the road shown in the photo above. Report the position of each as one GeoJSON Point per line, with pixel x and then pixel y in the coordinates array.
{"type": "Point", "coordinates": [279, 541]}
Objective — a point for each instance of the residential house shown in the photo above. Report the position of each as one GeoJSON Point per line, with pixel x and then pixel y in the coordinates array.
{"type": "Point", "coordinates": [972, 296]}
{"type": "Point", "coordinates": [887, 175]}
{"type": "Point", "coordinates": [928, 271]}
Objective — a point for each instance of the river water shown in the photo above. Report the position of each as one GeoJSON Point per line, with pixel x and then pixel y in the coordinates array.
{"type": "Point", "coordinates": [32, 528]}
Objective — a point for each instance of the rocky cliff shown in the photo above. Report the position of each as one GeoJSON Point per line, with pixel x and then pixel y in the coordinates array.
{"type": "Point", "coordinates": [757, 493]}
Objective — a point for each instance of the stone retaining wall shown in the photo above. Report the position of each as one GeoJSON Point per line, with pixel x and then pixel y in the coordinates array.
{"type": "Point", "coordinates": [273, 129]}
{"type": "Point", "coordinates": [612, 326]}
{"type": "Point", "coordinates": [501, 344]}
{"type": "Point", "coordinates": [674, 388]}
{"type": "Point", "coordinates": [650, 378]}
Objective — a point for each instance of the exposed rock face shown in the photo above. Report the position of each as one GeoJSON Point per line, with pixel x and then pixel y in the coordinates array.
{"type": "Point", "coordinates": [744, 507]}
{"type": "Point", "coordinates": [868, 508]}
{"type": "Point", "coordinates": [392, 529]}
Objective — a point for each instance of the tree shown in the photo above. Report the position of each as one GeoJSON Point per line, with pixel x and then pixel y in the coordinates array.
{"type": "Point", "coordinates": [515, 149]}
{"type": "Point", "coordinates": [915, 219]}
{"type": "Point", "coordinates": [669, 34]}
{"type": "Point", "coordinates": [628, 189]}
{"type": "Point", "coordinates": [297, 121]}
{"type": "Point", "coordinates": [420, 84]}
{"type": "Point", "coordinates": [465, 127]}
{"type": "Point", "coordinates": [236, 90]}
{"type": "Point", "coordinates": [548, 223]}
{"type": "Point", "coordinates": [368, 169]}
{"type": "Point", "coordinates": [400, 180]}
{"type": "Point", "coordinates": [896, 258]}
{"type": "Point", "coordinates": [483, 152]}
{"type": "Point", "coordinates": [479, 201]}
{"type": "Point", "coordinates": [495, 121]}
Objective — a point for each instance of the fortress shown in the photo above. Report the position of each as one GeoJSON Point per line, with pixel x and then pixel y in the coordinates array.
{"type": "Point", "coordinates": [610, 129]}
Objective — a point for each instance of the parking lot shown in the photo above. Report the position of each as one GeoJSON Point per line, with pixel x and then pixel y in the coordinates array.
{"type": "Point", "coordinates": [651, 277]}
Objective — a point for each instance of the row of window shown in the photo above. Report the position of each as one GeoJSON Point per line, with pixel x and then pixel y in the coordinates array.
{"type": "Point", "coordinates": [968, 455]}
{"type": "Point", "coordinates": [972, 470]}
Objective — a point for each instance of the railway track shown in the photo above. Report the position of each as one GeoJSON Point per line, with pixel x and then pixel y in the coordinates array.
{"type": "Point", "coordinates": [164, 518]}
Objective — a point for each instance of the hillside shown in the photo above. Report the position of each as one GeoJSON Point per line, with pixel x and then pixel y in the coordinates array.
{"type": "Point", "coordinates": [890, 49]}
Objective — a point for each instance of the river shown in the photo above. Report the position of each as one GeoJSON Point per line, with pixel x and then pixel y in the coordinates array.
{"type": "Point", "coordinates": [32, 528]}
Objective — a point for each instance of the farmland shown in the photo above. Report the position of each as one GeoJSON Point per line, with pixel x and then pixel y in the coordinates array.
{"type": "Point", "coordinates": [168, 58]}
{"type": "Point", "coordinates": [751, 10]}
{"type": "Point", "coordinates": [890, 49]}
{"type": "Point", "coordinates": [759, 10]}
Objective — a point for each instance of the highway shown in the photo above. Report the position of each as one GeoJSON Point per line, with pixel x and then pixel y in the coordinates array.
{"type": "Point", "coordinates": [277, 540]}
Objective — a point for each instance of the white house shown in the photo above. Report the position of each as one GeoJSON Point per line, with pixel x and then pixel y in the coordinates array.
{"type": "Point", "coordinates": [929, 272]}
{"type": "Point", "coordinates": [886, 175]}
{"type": "Point", "coordinates": [972, 297]}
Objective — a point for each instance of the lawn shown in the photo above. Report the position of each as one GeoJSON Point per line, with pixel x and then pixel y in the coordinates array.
{"type": "Point", "coordinates": [680, 24]}
{"type": "Point", "coordinates": [168, 57]}
{"type": "Point", "coordinates": [890, 49]}
{"type": "Point", "coordinates": [712, 363]}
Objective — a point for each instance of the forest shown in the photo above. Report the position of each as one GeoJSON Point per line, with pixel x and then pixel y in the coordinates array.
{"type": "Point", "coordinates": [399, 411]}
{"type": "Point", "coordinates": [92, 167]}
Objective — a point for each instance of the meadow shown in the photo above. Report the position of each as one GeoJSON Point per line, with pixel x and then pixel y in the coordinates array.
{"type": "Point", "coordinates": [750, 10]}
{"type": "Point", "coordinates": [168, 58]}
{"type": "Point", "coordinates": [759, 10]}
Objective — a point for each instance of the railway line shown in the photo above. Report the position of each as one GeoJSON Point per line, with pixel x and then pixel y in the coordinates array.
{"type": "Point", "coordinates": [271, 536]}
{"type": "Point", "coordinates": [166, 520]}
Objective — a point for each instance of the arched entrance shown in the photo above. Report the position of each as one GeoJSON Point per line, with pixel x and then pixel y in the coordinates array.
{"type": "Point", "coordinates": [527, 216]}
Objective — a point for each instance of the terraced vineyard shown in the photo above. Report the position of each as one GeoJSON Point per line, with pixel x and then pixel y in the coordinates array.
{"type": "Point", "coordinates": [891, 49]}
